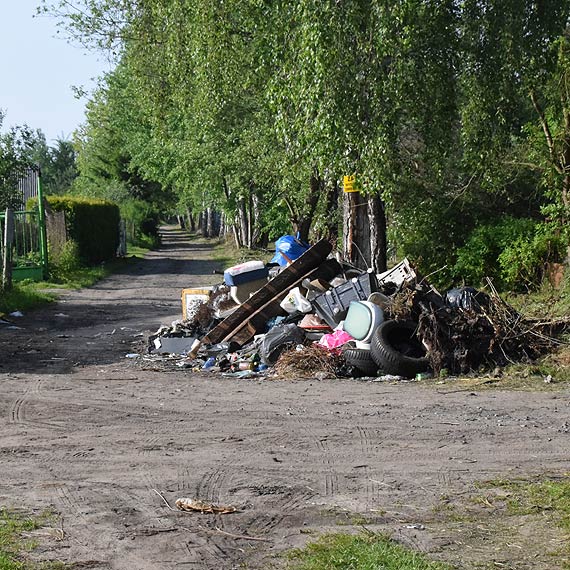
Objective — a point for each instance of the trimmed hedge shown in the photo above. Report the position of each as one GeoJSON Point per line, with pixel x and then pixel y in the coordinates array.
{"type": "Point", "coordinates": [92, 224]}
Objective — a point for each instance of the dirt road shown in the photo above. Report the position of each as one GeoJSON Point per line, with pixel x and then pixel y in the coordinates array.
{"type": "Point", "coordinates": [109, 444]}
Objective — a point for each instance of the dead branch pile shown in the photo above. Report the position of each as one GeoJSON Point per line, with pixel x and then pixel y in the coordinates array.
{"type": "Point", "coordinates": [303, 363]}
{"type": "Point", "coordinates": [489, 333]}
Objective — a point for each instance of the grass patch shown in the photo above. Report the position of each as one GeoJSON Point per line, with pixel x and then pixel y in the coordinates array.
{"type": "Point", "coordinates": [227, 254]}
{"type": "Point", "coordinates": [137, 251]}
{"type": "Point", "coordinates": [545, 303]}
{"type": "Point", "coordinates": [551, 497]}
{"type": "Point", "coordinates": [14, 543]}
{"type": "Point", "coordinates": [359, 552]}
{"type": "Point", "coordinates": [24, 297]}
{"type": "Point", "coordinates": [544, 509]}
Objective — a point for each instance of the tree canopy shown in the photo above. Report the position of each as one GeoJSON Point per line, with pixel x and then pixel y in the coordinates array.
{"type": "Point", "coordinates": [453, 113]}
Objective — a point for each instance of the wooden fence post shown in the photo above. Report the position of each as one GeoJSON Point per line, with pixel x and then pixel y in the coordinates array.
{"type": "Point", "coordinates": [7, 256]}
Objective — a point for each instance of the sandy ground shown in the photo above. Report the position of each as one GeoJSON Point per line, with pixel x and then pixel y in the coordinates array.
{"type": "Point", "coordinates": [110, 444]}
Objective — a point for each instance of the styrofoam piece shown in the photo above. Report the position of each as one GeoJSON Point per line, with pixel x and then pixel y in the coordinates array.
{"type": "Point", "coordinates": [398, 274]}
{"type": "Point", "coordinates": [245, 272]}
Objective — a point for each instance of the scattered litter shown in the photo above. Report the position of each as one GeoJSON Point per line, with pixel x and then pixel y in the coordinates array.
{"type": "Point", "coordinates": [390, 378]}
{"type": "Point", "coordinates": [187, 504]}
{"type": "Point", "coordinates": [307, 315]}
{"type": "Point", "coordinates": [305, 363]}
{"type": "Point", "coordinates": [61, 315]}
{"type": "Point", "coordinates": [17, 314]}
{"type": "Point", "coordinates": [244, 374]}
{"type": "Point", "coordinates": [416, 526]}
{"type": "Point", "coordinates": [132, 355]}
{"type": "Point", "coordinates": [335, 340]}
{"type": "Point", "coordinates": [173, 345]}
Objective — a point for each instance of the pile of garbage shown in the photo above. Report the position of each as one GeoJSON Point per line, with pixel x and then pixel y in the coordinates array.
{"type": "Point", "coordinates": [306, 313]}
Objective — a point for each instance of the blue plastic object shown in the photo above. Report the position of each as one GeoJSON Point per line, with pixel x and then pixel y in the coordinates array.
{"type": "Point", "coordinates": [288, 248]}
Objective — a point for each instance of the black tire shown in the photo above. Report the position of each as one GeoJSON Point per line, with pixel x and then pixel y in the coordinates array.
{"type": "Point", "coordinates": [396, 349]}
{"type": "Point", "coordinates": [360, 359]}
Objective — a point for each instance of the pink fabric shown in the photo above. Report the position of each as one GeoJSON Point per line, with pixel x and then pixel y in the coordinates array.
{"type": "Point", "coordinates": [335, 339]}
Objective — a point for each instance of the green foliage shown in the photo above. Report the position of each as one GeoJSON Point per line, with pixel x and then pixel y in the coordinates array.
{"type": "Point", "coordinates": [544, 303]}
{"type": "Point", "coordinates": [13, 526]}
{"type": "Point", "coordinates": [14, 149]}
{"type": "Point", "coordinates": [141, 222]}
{"type": "Point", "coordinates": [549, 496]}
{"type": "Point", "coordinates": [456, 113]}
{"type": "Point", "coordinates": [512, 251]}
{"type": "Point", "coordinates": [66, 262]}
{"type": "Point", "coordinates": [359, 552]}
{"type": "Point", "coordinates": [23, 297]}
{"type": "Point", "coordinates": [92, 224]}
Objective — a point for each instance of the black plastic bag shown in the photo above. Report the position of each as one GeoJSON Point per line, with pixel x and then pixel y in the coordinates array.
{"type": "Point", "coordinates": [279, 338]}
{"type": "Point", "coordinates": [467, 298]}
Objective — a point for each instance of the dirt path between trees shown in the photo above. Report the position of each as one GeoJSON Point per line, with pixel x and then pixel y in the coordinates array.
{"type": "Point", "coordinates": [109, 443]}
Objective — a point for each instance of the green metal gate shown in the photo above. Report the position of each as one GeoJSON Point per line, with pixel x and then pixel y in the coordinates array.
{"type": "Point", "coordinates": [29, 253]}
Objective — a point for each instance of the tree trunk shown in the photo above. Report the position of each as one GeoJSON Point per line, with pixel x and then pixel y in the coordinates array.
{"type": "Point", "coordinates": [566, 202]}
{"type": "Point", "coordinates": [191, 222]}
{"type": "Point", "coordinates": [210, 222]}
{"type": "Point", "coordinates": [250, 220]}
{"type": "Point", "coordinates": [243, 225]}
{"type": "Point", "coordinates": [356, 231]}
{"type": "Point", "coordinates": [237, 235]}
{"type": "Point", "coordinates": [364, 232]}
{"type": "Point", "coordinates": [222, 228]}
{"type": "Point", "coordinates": [303, 222]}
{"type": "Point", "coordinates": [258, 238]}
{"type": "Point", "coordinates": [378, 246]}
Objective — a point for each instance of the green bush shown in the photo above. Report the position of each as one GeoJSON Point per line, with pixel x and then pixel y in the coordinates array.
{"type": "Point", "coordinates": [66, 262]}
{"type": "Point", "coordinates": [142, 222]}
{"type": "Point", "coordinates": [92, 224]}
{"type": "Point", "coordinates": [512, 251]}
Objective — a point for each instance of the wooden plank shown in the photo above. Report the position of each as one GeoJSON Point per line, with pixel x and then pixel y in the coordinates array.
{"type": "Point", "coordinates": [281, 283]}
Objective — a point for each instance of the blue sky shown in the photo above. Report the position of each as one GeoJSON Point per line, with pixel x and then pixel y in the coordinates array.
{"type": "Point", "coordinates": [38, 69]}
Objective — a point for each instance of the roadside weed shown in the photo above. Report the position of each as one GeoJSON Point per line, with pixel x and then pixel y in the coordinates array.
{"type": "Point", "coordinates": [14, 527]}
{"type": "Point", "coordinates": [550, 497]}
{"type": "Point", "coordinates": [23, 297]}
{"type": "Point", "coordinates": [359, 552]}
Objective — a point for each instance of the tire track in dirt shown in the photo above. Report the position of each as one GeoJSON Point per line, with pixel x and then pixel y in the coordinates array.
{"type": "Point", "coordinates": [371, 486]}
{"type": "Point", "coordinates": [103, 530]}
{"type": "Point", "coordinates": [331, 477]}
{"type": "Point", "coordinates": [211, 485]}
{"type": "Point", "coordinates": [18, 408]}
{"type": "Point", "coordinates": [207, 549]}
{"type": "Point", "coordinates": [276, 511]}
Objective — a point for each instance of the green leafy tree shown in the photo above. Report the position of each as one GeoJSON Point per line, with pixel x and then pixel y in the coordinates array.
{"type": "Point", "coordinates": [15, 147]}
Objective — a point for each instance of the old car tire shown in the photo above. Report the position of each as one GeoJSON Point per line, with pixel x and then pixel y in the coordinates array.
{"type": "Point", "coordinates": [361, 359]}
{"type": "Point", "coordinates": [396, 349]}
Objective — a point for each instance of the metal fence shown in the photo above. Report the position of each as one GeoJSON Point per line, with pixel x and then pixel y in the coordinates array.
{"type": "Point", "coordinates": [28, 252]}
